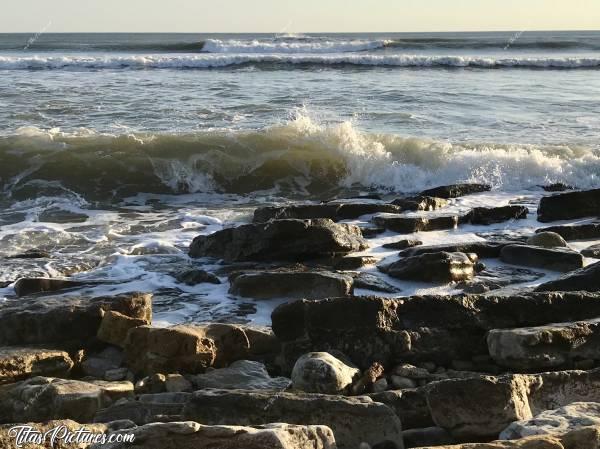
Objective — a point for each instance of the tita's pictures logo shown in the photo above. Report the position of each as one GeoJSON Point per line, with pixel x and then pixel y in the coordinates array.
{"type": "Point", "coordinates": [25, 434]}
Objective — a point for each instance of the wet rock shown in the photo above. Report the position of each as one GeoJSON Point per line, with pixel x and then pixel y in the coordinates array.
{"type": "Point", "coordinates": [557, 187]}
{"type": "Point", "coordinates": [187, 435]}
{"type": "Point", "coordinates": [114, 327]}
{"type": "Point", "coordinates": [28, 286]}
{"type": "Point", "coordinates": [456, 190]}
{"type": "Point", "coordinates": [556, 259]}
{"type": "Point", "coordinates": [491, 215]}
{"type": "Point", "coordinates": [32, 254]}
{"type": "Point", "coordinates": [43, 398]}
{"type": "Point", "coordinates": [280, 239]}
{"type": "Point", "coordinates": [369, 232]}
{"type": "Point", "coordinates": [434, 267]}
{"type": "Point", "coordinates": [548, 346]}
{"type": "Point", "coordinates": [586, 231]}
{"type": "Point", "coordinates": [353, 262]}
{"type": "Point", "coordinates": [409, 225]}
{"type": "Point", "coordinates": [547, 240]}
{"type": "Point", "coordinates": [243, 375]}
{"type": "Point", "coordinates": [18, 362]}
{"type": "Point", "coordinates": [498, 277]}
{"type": "Point", "coordinates": [587, 279]}
{"type": "Point", "coordinates": [194, 277]}
{"type": "Point", "coordinates": [567, 206]}
{"type": "Point", "coordinates": [555, 422]}
{"type": "Point", "coordinates": [482, 249]}
{"type": "Point", "coordinates": [403, 244]}
{"type": "Point", "coordinates": [333, 211]}
{"type": "Point", "coordinates": [592, 251]}
{"type": "Point", "coordinates": [282, 284]}
{"type": "Point", "coordinates": [369, 281]}
{"type": "Point", "coordinates": [320, 372]}
{"type": "Point", "coordinates": [68, 320]}
{"type": "Point", "coordinates": [57, 215]}
{"type": "Point", "coordinates": [420, 203]}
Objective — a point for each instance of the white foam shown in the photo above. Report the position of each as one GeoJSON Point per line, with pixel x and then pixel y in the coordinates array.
{"type": "Point", "coordinates": [294, 47]}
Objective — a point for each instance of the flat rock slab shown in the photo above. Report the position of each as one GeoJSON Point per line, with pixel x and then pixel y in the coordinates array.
{"type": "Point", "coordinates": [402, 244]}
{"type": "Point", "coordinates": [587, 278]}
{"type": "Point", "coordinates": [17, 362]}
{"type": "Point", "coordinates": [420, 203]}
{"type": "Point", "coordinates": [498, 277]}
{"type": "Point", "coordinates": [434, 267]}
{"type": "Point", "coordinates": [373, 282]}
{"type": "Point", "coordinates": [543, 347]}
{"type": "Point", "coordinates": [586, 231]}
{"type": "Point", "coordinates": [556, 259]}
{"type": "Point", "coordinates": [333, 211]}
{"type": "Point", "coordinates": [482, 249]}
{"type": "Point", "coordinates": [491, 215]}
{"type": "Point", "coordinates": [570, 205]}
{"type": "Point", "coordinates": [243, 374]}
{"type": "Point", "coordinates": [409, 225]}
{"type": "Point", "coordinates": [456, 190]}
{"type": "Point", "coordinates": [293, 285]}
{"type": "Point", "coordinates": [280, 240]}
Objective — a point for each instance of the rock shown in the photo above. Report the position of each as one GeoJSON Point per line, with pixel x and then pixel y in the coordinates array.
{"type": "Point", "coordinates": [44, 398]}
{"type": "Point", "coordinates": [189, 434]}
{"type": "Point", "coordinates": [176, 383]}
{"type": "Point", "coordinates": [418, 203]}
{"type": "Point", "coordinates": [243, 375]}
{"type": "Point", "coordinates": [284, 284]}
{"type": "Point", "coordinates": [527, 443]}
{"type": "Point", "coordinates": [482, 249]}
{"type": "Point", "coordinates": [368, 379]}
{"type": "Point", "coordinates": [332, 211]}
{"type": "Point", "coordinates": [29, 286]}
{"type": "Point", "coordinates": [320, 372]}
{"type": "Point", "coordinates": [498, 277]}
{"type": "Point", "coordinates": [353, 262]}
{"type": "Point", "coordinates": [411, 371]}
{"type": "Point", "coordinates": [555, 422]}
{"type": "Point", "coordinates": [65, 320]}
{"type": "Point", "coordinates": [556, 259]}
{"type": "Point", "coordinates": [280, 239]}
{"type": "Point", "coordinates": [354, 420]}
{"type": "Point", "coordinates": [567, 206]}
{"type": "Point", "coordinates": [114, 327]}
{"type": "Point", "coordinates": [156, 383]}
{"type": "Point", "coordinates": [557, 187]}
{"type": "Point", "coordinates": [403, 244]}
{"type": "Point", "coordinates": [587, 278]}
{"type": "Point", "coordinates": [18, 362]}
{"type": "Point", "coordinates": [434, 436]}
{"type": "Point", "coordinates": [456, 190]}
{"type": "Point", "coordinates": [369, 232]}
{"type": "Point", "coordinates": [542, 347]}
{"type": "Point", "coordinates": [97, 365]}
{"type": "Point", "coordinates": [490, 215]}
{"type": "Point", "coordinates": [194, 276]}
{"type": "Point", "coordinates": [434, 267]}
{"type": "Point", "coordinates": [32, 254]}
{"type": "Point", "coordinates": [547, 240]}
{"type": "Point", "coordinates": [408, 225]}
{"type": "Point", "coordinates": [409, 405]}
{"type": "Point", "coordinates": [402, 383]}
{"type": "Point", "coordinates": [380, 385]}
{"type": "Point", "coordinates": [369, 281]}
{"type": "Point", "coordinates": [116, 374]}
{"type": "Point", "coordinates": [586, 231]}
{"type": "Point", "coordinates": [592, 251]}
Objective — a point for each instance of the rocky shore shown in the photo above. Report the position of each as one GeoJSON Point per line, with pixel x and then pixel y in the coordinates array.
{"type": "Point", "coordinates": [492, 365]}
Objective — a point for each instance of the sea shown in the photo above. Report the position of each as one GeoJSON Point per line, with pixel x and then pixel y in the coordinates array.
{"type": "Point", "coordinates": [116, 150]}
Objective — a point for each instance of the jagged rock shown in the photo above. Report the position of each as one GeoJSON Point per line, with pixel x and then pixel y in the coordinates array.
{"type": "Point", "coordinates": [456, 190]}
{"type": "Point", "coordinates": [286, 284]}
{"type": "Point", "coordinates": [547, 240]}
{"type": "Point", "coordinates": [353, 262]}
{"type": "Point", "coordinates": [566, 206]}
{"type": "Point", "coordinates": [418, 203]}
{"type": "Point", "coordinates": [409, 225]}
{"type": "Point", "coordinates": [114, 327]}
{"type": "Point", "coordinates": [592, 251]}
{"type": "Point", "coordinates": [354, 420]}
{"type": "Point", "coordinates": [280, 239]}
{"type": "Point", "coordinates": [369, 281]}
{"type": "Point", "coordinates": [482, 249]}
{"type": "Point", "coordinates": [403, 244]}
{"type": "Point", "coordinates": [333, 211]}
{"type": "Point", "coordinates": [587, 278]}
{"type": "Point", "coordinates": [191, 435]}
{"type": "Point", "coordinates": [586, 231]}
{"type": "Point", "coordinates": [555, 422]}
{"type": "Point", "coordinates": [548, 346]}
{"type": "Point", "coordinates": [490, 215]}
{"type": "Point", "coordinates": [65, 319]}
{"type": "Point", "coordinates": [556, 259]}
{"type": "Point", "coordinates": [44, 398]}
{"type": "Point", "coordinates": [320, 372]}
{"type": "Point", "coordinates": [368, 378]}
{"type": "Point", "coordinates": [243, 374]}
{"type": "Point", "coordinates": [18, 362]}
{"type": "Point", "coordinates": [195, 276]}
{"type": "Point", "coordinates": [434, 267]}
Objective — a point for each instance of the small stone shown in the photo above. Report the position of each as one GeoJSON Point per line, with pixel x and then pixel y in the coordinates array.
{"type": "Point", "coordinates": [411, 372]}
{"type": "Point", "coordinates": [151, 384]}
{"type": "Point", "coordinates": [176, 383]}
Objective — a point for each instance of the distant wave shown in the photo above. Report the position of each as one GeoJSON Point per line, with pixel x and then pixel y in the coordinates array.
{"type": "Point", "coordinates": [299, 157]}
{"type": "Point", "coordinates": [208, 61]}
{"type": "Point", "coordinates": [290, 45]}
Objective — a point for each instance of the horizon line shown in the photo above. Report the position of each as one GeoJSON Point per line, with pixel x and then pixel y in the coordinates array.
{"type": "Point", "coordinates": [305, 32]}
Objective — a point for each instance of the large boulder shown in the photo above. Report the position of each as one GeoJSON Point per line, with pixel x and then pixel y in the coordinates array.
{"type": "Point", "coordinates": [115, 326]}
{"type": "Point", "coordinates": [408, 225]}
{"type": "Point", "coordinates": [17, 362]}
{"type": "Point", "coordinates": [333, 211]}
{"type": "Point", "coordinates": [43, 398]}
{"type": "Point", "coordinates": [243, 374]}
{"type": "Point", "coordinates": [434, 267]}
{"type": "Point", "coordinates": [570, 205]}
{"type": "Point", "coordinates": [547, 239]}
{"type": "Point", "coordinates": [456, 190]}
{"type": "Point", "coordinates": [547, 346]}
{"type": "Point", "coordinates": [587, 278]}
{"type": "Point", "coordinates": [586, 231]}
{"type": "Point", "coordinates": [556, 259]}
{"type": "Point", "coordinates": [191, 435]}
{"type": "Point", "coordinates": [65, 320]}
{"type": "Point", "coordinates": [291, 284]}
{"type": "Point", "coordinates": [320, 372]}
{"type": "Point", "coordinates": [280, 239]}
{"type": "Point", "coordinates": [491, 215]}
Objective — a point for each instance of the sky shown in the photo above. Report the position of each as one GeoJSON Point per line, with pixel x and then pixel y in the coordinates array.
{"type": "Point", "coordinates": [272, 16]}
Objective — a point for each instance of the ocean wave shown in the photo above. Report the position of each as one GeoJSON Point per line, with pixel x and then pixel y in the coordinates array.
{"type": "Point", "coordinates": [290, 46]}
{"type": "Point", "coordinates": [208, 61]}
{"type": "Point", "coordinates": [300, 157]}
